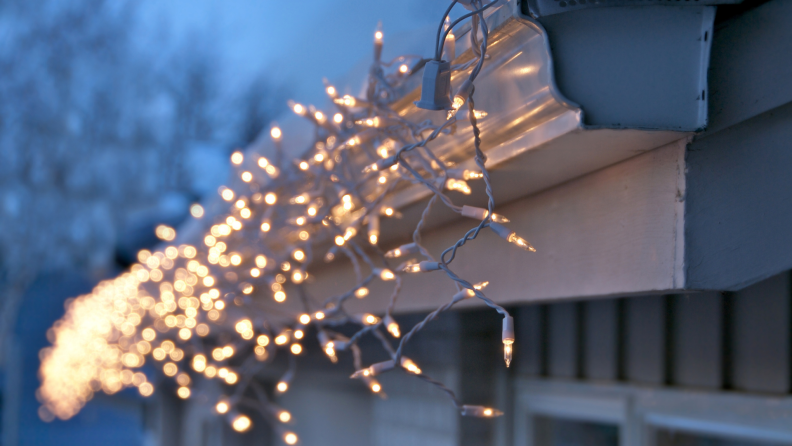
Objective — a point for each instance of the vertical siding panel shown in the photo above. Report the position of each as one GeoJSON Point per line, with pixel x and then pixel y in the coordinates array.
{"type": "Point", "coordinates": [529, 342]}
{"type": "Point", "coordinates": [645, 339]}
{"type": "Point", "coordinates": [697, 340]}
{"type": "Point", "coordinates": [562, 354]}
{"type": "Point", "coordinates": [601, 326]}
{"type": "Point", "coordinates": [760, 340]}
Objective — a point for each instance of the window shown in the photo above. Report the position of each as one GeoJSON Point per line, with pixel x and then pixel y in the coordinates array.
{"type": "Point", "coordinates": [564, 413]}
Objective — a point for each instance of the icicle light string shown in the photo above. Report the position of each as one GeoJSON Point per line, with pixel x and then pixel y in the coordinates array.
{"type": "Point", "coordinates": [173, 303]}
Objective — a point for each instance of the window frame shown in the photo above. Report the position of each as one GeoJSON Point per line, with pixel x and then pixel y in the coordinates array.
{"type": "Point", "coordinates": [640, 412]}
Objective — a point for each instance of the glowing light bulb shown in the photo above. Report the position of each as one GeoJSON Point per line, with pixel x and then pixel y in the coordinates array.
{"type": "Point", "coordinates": [330, 352]}
{"type": "Point", "coordinates": [304, 165]}
{"type": "Point", "coordinates": [298, 277]}
{"type": "Point", "coordinates": [299, 109]}
{"type": "Point", "coordinates": [275, 133]}
{"type": "Point", "coordinates": [196, 210]}
{"type": "Point", "coordinates": [263, 162]}
{"type": "Point", "coordinates": [298, 255]}
{"type": "Point", "coordinates": [222, 407]}
{"type": "Point", "coordinates": [305, 319]}
{"type": "Point", "coordinates": [403, 68]}
{"type": "Point", "coordinates": [183, 392]}
{"type": "Point", "coordinates": [227, 194]}
{"type": "Point", "coordinates": [241, 423]}
{"type": "Point", "coordinates": [338, 118]}
{"type": "Point", "coordinates": [458, 185]}
{"type": "Point", "coordinates": [375, 387]}
{"type": "Point", "coordinates": [458, 102]}
{"type": "Point", "coordinates": [279, 296]}
{"type": "Point", "coordinates": [319, 116]}
{"type": "Point", "coordinates": [282, 386]}
{"type": "Point", "coordinates": [290, 438]}
{"type": "Point", "coordinates": [386, 274]}
{"type": "Point", "coordinates": [284, 416]}
{"type": "Point", "coordinates": [331, 91]}
{"type": "Point", "coordinates": [393, 328]}
{"type": "Point", "coordinates": [265, 227]}
{"type": "Point", "coordinates": [373, 239]}
{"type": "Point", "coordinates": [507, 351]}
{"type": "Point", "coordinates": [480, 411]}
{"type": "Point", "coordinates": [237, 158]}
{"type": "Point", "coordinates": [339, 240]}
{"type": "Point", "coordinates": [521, 242]}
{"type": "Point", "coordinates": [319, 315]}
{"type": "Point", "coordinates": [296, 349]}
{"type": "Point", "coordinates": [270, 198]}
{"type": "Point", "coordinates": [410, 366]}
{"type": "Point", "coordinates": [361, 292]}
{"type": "Point", "coordinates": [402, 250]}
{"type": "Point", "coordinates": [412, 268]}
{"type": "Point", "coordinates": [247, 177]}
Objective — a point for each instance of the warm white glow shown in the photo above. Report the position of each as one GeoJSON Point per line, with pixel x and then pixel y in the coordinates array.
{"type": "Point", "coordinates": [507, 351]}
{"type": "Point", "coordinates": [290, 438]}
{"type": "Point", "coordinates": [393, 329]}
{"type": "Point", "coordinates": [338, 118]}
{"type": "Point", "coordinates": [241, 423]}
{"type": "Point", "coordinates": [275, 133]}
{"type": "Point", "coordinates": [196, 210]}
{"type": "Point", "coordinates": [237, 158]}
{"type": "Point", "coordinates": [521, 242]}
{"type": "Point", "coordinates": [270, 198]}
{"type": "Point", "coordinates": [403, 68]}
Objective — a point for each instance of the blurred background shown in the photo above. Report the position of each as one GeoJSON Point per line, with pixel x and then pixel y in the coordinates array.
{"type": "Point", "coordinates": [116, 115]}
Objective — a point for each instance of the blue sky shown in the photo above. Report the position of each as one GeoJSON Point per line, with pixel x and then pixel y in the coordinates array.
{"type": "Point", "coordinates": [298, 42]}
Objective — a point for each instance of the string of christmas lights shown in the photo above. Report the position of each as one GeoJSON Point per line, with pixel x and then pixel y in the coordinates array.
{"type": "Point", "coordinates": [171, 306]}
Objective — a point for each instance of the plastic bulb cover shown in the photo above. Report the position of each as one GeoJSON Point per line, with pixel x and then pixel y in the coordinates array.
{"type": "Point", "coordinates": [436, 86]}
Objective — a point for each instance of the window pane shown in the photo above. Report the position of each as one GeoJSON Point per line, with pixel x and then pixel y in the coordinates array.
{"type": "Point", "coordinates": [560, 432]}
{"type": "Point", "coordinates": [667, 437]}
